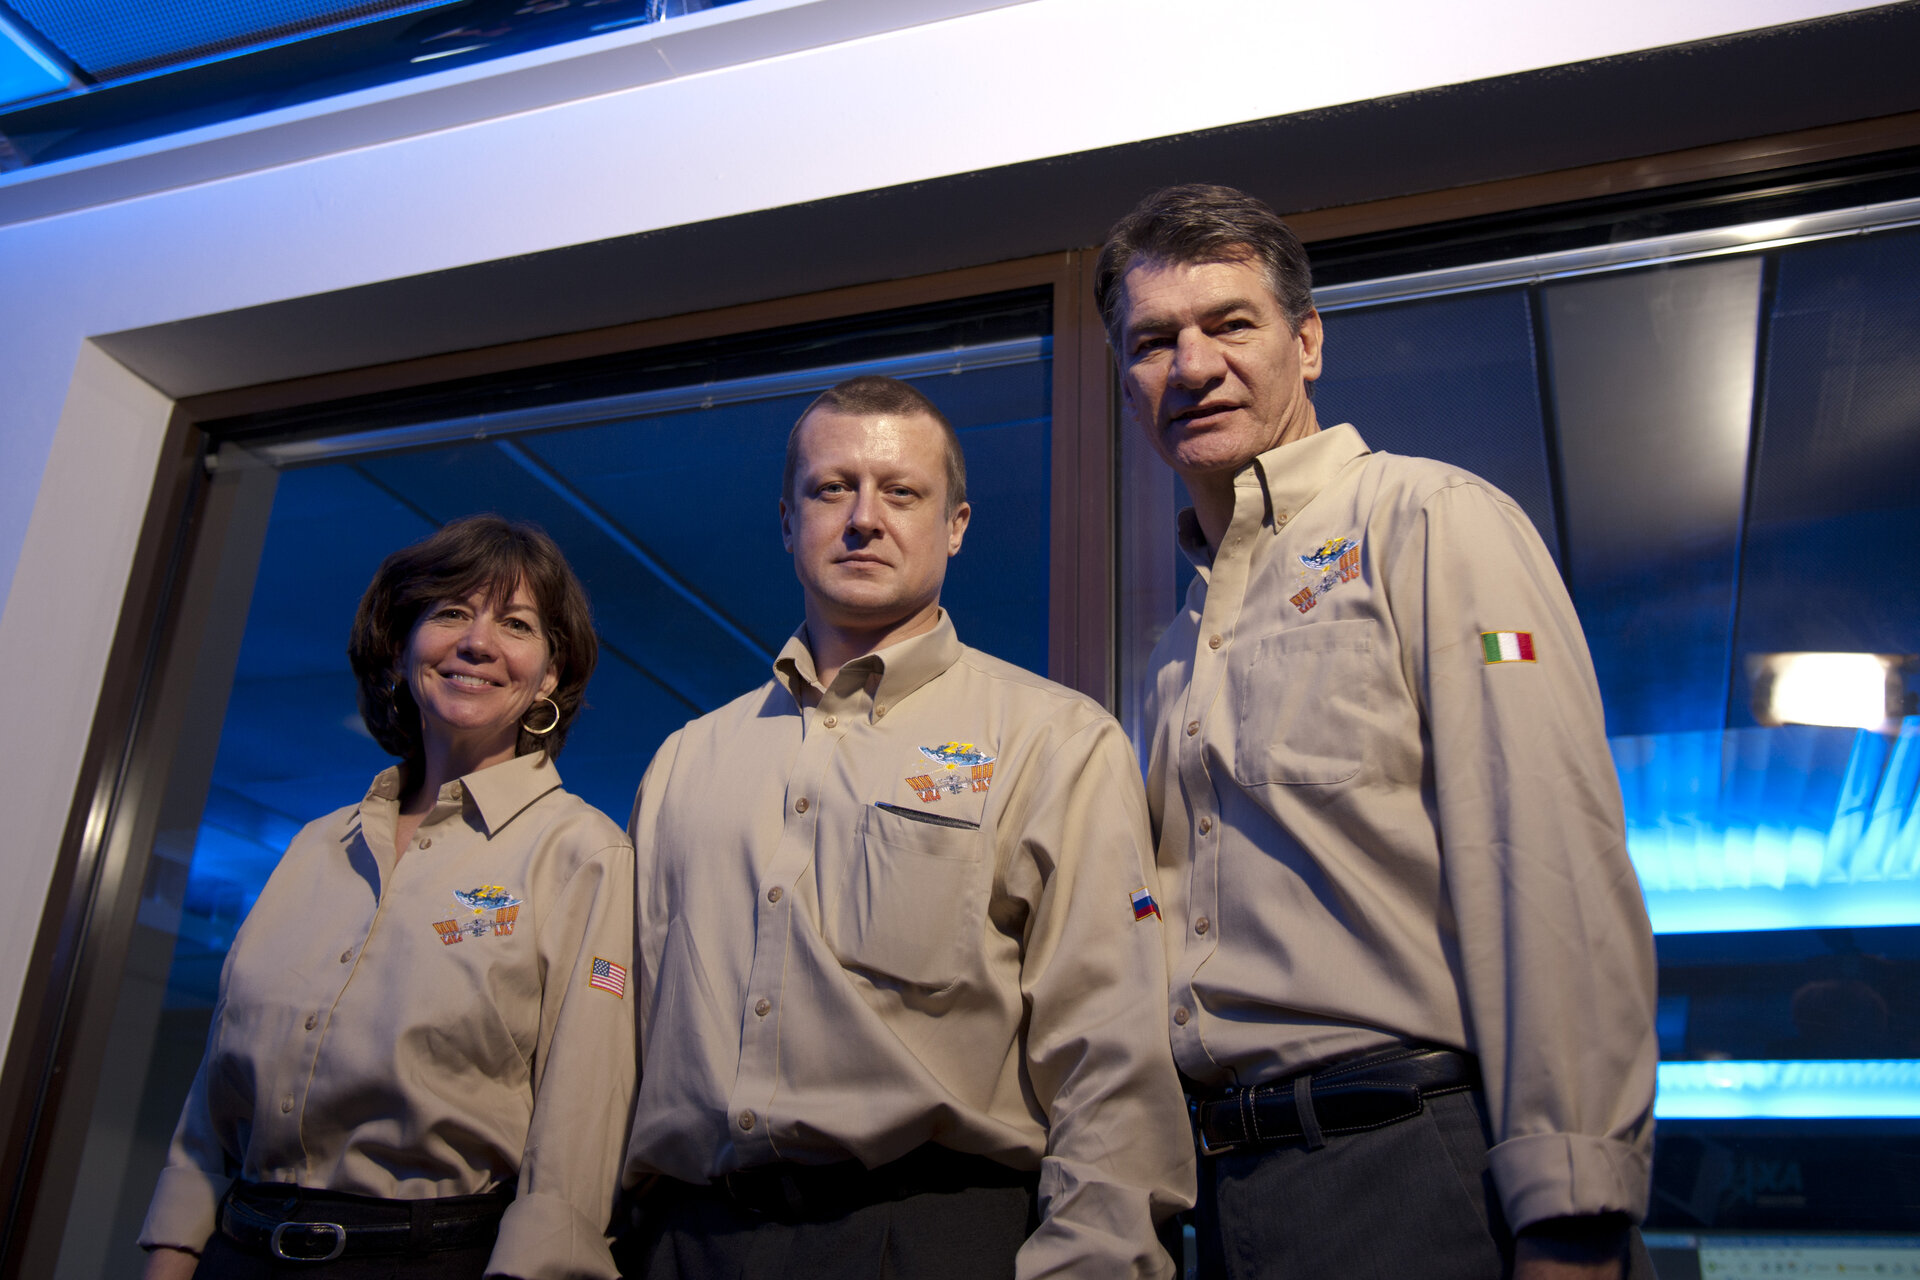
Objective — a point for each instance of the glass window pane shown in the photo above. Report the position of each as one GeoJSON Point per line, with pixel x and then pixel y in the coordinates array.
{"type": "Point", "coordinates": [1653, 393]}
{"type": "Point", "coordinates": [1452, 378]}
{"type": "Point", "coordinates": [671, 520]}
{"type": "Point", "coordinates": [1832, 555]}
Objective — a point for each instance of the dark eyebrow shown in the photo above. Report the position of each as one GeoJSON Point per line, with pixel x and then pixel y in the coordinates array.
{"type": "Point", "coordinates": [1154, 324]}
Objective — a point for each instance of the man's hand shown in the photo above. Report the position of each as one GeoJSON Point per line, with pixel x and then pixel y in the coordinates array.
{"type": "Point", "coordinates": [170, 1264]}
{"type": "Point", "coordinates": [1572, 1249]}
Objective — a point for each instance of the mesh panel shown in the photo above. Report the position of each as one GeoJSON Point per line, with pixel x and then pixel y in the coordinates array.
{"type": "Point", "coordinates": [119, 40]}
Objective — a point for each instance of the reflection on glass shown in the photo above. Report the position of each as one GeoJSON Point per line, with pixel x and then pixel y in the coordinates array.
{"type": "Point", "coordinates": [671, 521]}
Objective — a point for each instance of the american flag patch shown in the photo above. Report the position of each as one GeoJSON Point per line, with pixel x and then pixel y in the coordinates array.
{"type": "Point", "coordinates": [608, 976]}
{"type": "Point", "coordinates": [1143, 904]}
{"type": "Point", "coordinates": [1506, 646]}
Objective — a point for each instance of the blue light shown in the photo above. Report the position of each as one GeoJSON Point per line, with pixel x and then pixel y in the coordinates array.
{"type": "Point", "coordinates": [1879, 1089]}
{"type": "Point", "coordinates": [1774, 828]}
{"type": "Point", "coordinates": [1829, 906]}
{"type": "Point", "coordinates": [25, 72]}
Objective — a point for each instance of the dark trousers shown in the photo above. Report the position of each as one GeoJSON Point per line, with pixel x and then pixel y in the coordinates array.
{"type": "Point", "coordinates": [970, 1234]}
{"type": "Point", "coordinates": [1409, 1201]}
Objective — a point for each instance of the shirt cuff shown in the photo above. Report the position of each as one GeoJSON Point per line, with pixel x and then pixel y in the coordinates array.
{"type": "Point", "coordinates": [181, 1213]}
{"type": "Point", "coordinates": [1568, 1175]}
{"type": "Point", "coordinates": [545, 1238]}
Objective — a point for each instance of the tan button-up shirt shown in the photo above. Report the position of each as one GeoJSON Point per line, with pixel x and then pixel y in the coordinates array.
{"type": "Point", "coordinates": [1386, 809]}
{"type": "Point", "coordinates": [434, 1026]}
{"type": "Point", "coordinates": [902, 910]}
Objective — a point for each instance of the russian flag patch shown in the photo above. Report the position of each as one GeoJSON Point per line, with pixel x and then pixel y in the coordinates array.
{"type": "Point", "coordinates": [1507, 646]}
{"type": "Point", "coordinates": [1143, 904]}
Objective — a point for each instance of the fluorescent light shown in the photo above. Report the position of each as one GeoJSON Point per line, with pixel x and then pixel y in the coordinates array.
{"type": "Point", "coordinates": [1867, 905]}
{"type": "Point", "coordinates": [1871, 1088]}
{"type": "Point", "coordinates": [1792, 827]}
{"type": "Point", "coordinates": [446, 53]}
{"type": "Point", "coordinates": [1845, 690]}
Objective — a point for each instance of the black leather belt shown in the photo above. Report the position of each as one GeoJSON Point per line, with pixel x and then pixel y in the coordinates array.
{"type": "Point", "coordinates": [1345, 1097]}
{"type": "Point", "coordinates": [789, 1192]}
{"type": "Point", "coordinates": [296, 1224]}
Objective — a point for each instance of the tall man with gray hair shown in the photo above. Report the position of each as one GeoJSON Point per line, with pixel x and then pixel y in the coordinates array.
{"type": "Point", "coordinates": [1411, 974]}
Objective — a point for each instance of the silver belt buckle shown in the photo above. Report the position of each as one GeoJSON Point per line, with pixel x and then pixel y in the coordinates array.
{"type": "Point", "coordinates": [1208, 1150]}
{"type": "Point", "coordinates": [339, 1241]}
{"type": "Point", "coordinates": [1200, 1132]}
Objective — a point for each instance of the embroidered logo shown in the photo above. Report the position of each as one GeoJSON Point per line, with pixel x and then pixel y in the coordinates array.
{"type": "Point", "coordinates": [608, 976]}
{"type": "Point", "coordinates": [1144, 905]}
{"type": "Point", "coordinates": [1335, 561]}
{"type": "Point", "coordinates": [962, 768]}
{"type": "Point", "coordinates": [480, 900]}
{"type": "Point", "coordinates": [486, 897]}
{"type": "Point", "coordinates": [1506, 646]}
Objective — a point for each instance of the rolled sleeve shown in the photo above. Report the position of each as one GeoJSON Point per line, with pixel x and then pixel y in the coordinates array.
{"type": "Point", "coordinates": [1569, 1175]}
{"type": "Point", "coordinates": [1554, 947]}
{"type": "Point", "coordinates": [556, 1228]}
{"type": "Point", "coordinates": [186, 1199]}
{"type": "Point", "coordinates": [1119, 1154]}
{"type": "Point", "coordinates": [544, 1236]}
{"type": "Point", "coordinates": [181, 1214]}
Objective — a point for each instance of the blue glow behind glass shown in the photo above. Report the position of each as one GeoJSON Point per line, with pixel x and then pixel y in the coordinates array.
{"type": "Point", "coordinates": [1884, 1089]}
{"type": "Point", "coordinates": [115, 39]}
{"type": "Point", "coordinates": [1794, 827]}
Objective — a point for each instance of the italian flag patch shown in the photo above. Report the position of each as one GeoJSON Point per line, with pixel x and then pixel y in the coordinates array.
{"type": "Point", "coordinates": [1507, 646]}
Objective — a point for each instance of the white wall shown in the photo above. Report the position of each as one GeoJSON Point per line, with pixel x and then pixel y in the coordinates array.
{"type": "Point", "coordinates": [754, 115]}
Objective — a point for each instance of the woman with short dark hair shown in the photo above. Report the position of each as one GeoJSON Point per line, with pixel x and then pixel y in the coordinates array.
{"type": "Point", "coordinates": [421, 1059]}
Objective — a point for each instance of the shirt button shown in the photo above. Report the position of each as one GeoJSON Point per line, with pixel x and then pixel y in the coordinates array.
{"type": "Point", "coordinates": [1193, 727]}
{"type": "Point", "coordinates": [880, 710]}
{"type": "Point", "coordinates": [1206, 825]}
{"type": "Point", "coordinates": [773, 894]}
{"type": "Point", "coordinates": [1201, 925]}
{"type": "Point", "coordinates": [830, 721]}
{"type": "Point", "coordinates": [746, 1121]}
{"type": "Point", "coordinates": [1180, 1017]}
{"type": "Point", "coordinates": [1213, 642]}
{"type": "Point", "coordinates": [426, 842]}
{"type": "Point", "coordinates": [800, 805]}
{"type": "Point", "coordinates": [286, 1104]}
{"type": "Point", "coordinates": [313, 1020]}
{"type": "Point", "coordinates": [1280, 519]}
{"type": "Point", "coordinates": [346, 955]}
{"type": "Point", "coordinates": [763, 1007]}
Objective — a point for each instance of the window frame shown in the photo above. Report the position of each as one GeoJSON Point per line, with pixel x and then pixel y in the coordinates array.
{"type": "Point", "coordinates": [203, 526]}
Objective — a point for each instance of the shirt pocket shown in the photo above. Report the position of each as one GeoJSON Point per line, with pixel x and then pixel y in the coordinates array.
{"type": "Point", "coordinates": [910, 906]}
{"type": "Point", "coordinates": [1300, 706]}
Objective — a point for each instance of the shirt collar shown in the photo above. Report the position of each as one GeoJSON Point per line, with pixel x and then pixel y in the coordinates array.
{"type": "Point", "coordinates": [1283, 480]}
{"type": "Point", "coordinates": [1293, 473]}
{"type": "Point", "coordinates": [498, 793]}
{"type": "Point", "coordinates": [901, 667]}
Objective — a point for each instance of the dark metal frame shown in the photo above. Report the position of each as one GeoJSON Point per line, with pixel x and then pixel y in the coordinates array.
{"type": "Point", "coordinates": [53, 1056]}
{"type": "Point", "coordinates": [52, 1067]}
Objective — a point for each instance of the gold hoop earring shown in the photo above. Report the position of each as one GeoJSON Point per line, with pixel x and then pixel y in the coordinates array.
{"type": "Point", "coordinates": [551, 726]}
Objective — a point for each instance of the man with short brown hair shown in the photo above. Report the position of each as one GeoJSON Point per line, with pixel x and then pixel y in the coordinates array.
{"type": "Point", "coordinates": [900, 974]}
{"type": "Point", "coordinates": [1411, 974]}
